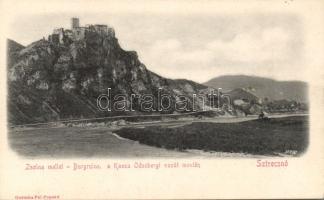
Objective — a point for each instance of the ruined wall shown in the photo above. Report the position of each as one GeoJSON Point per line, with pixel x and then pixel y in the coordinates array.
{"type": "Point", "coordinates": [111, 32]}
{"type": "Point", "coordinates": [102, 29]}
{"type": "Point", "coordinates": [79, 33]}
{"type": "Point", "coordinates": [75, 23]}
{"type": "Point", "coordinates": [54, 38]}
{"type": "Point", "coordinates": [60, 33]}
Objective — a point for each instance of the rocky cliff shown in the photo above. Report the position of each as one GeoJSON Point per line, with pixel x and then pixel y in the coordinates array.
{"type": "Point", "coordinates": [49, 81]}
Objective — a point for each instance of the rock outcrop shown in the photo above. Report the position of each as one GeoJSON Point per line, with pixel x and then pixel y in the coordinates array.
{"type": "Point", "coordinates": [50, 81]}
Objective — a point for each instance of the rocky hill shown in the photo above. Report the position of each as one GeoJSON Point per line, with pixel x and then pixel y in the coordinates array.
{"type": "Point", "coordinates": [61, 78]}
{"type": "Point", "coordinates": [50, 81]}
{"type": "Point", "coordinates": [263, 87]}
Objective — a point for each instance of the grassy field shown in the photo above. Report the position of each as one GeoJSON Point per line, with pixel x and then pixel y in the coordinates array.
{"type": "Point", "coordinates": [288, 135]}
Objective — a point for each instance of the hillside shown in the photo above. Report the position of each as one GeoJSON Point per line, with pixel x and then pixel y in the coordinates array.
{"type": "Point", "coordinates": [13, 48]}
{"type": "Point", "coordinates": [263, 87]}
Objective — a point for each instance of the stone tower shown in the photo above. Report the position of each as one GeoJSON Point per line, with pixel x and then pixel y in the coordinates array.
{"type": "Point", "coordinates": [75, 23]}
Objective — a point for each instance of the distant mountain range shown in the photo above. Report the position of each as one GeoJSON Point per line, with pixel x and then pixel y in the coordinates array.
{"type": "Point", "coordinates": [263, 87]}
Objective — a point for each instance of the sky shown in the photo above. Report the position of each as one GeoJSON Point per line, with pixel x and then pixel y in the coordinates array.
{"type": "Point", "coordinates": [196, 46]}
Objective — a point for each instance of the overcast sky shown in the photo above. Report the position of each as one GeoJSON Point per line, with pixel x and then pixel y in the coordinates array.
{"type": "Point", "coordinates": [197, 46]}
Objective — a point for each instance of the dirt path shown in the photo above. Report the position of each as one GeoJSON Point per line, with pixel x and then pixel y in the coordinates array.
{"type": "Point", "coordinates": [185, 121]}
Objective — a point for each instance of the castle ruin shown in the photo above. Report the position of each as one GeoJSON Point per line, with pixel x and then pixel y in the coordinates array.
{"type": "Point", "coordinates": [77, 32]}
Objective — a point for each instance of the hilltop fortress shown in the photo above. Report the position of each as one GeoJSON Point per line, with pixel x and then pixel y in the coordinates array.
{"type": "Point", "coordinates": [77, 32]}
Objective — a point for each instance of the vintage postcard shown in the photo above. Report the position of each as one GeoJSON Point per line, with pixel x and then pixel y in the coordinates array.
{"type": "Point", "coordinates": [162, 99]}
